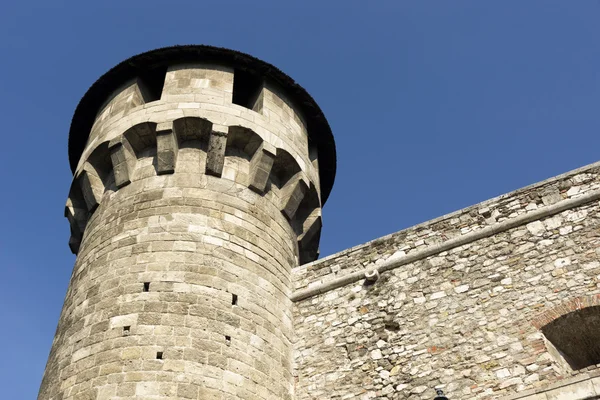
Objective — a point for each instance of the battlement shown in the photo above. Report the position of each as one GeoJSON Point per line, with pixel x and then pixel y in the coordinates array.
{"type": "Point", "coordinates": [232, 153]}
{"type": "Point", "coordinates": [229, 87]}
{"type": "Point", "coordinates": [244, 126]}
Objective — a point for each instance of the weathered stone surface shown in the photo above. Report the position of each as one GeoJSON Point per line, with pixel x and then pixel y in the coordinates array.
{"type": "Point", "coordinates": [292, 194]}
{"type": "Point", "coordinates": [468, 319]}
{"type": "Point", "coordinates": [216, 150]}
{"type": "Point", "coordinates": [167, 149]}
{"type": "Point", "coordinates": [260, 168]}
{"type": "Point", "coordinates": [182, 284]}
{"type": "Point", "coordinates": [122, 162]}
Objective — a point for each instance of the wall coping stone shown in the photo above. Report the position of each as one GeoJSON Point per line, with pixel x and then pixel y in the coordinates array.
{"type": "Point", "coordinates": [575, 380]}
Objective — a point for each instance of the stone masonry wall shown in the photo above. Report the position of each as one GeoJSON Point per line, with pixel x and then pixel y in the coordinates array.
{"type": "Point", "coordinates": [187, 215]}
{"type": "Point", "coordinates": [467, 319]}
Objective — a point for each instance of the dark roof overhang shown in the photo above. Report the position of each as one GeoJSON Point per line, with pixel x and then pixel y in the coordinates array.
{"type": "Point", "coordinates": [317, 126]}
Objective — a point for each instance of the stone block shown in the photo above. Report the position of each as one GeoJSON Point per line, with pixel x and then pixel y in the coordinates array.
{"type": "Point", "coordinates": [292, 194]}
{"type": "Point", "coordinates": [120, 163]}
{"type": "Point", "coordinates": [216, 150]}
{"type": "Point", "coordinates": [260, 168]}
{"type": "Point", "coordinates": [167, 149]}
{"type": "Point", "coordinates": [577, 390]}
{"type": "Point", "coordinates": [92, 189]}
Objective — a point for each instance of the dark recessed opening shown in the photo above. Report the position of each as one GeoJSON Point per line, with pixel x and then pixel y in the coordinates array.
{"type": "Point", "coordinates": [146, 286]}
{"type": "Point", "coordinates": [126, 330]}
{"type": "Point", "coordinates": [575, 337]}
{"type": "Point", "coordinates": [153, 82]}
{"type": "Point", "coordinates": [392, 326]}
{"type": "Point", "coordinates": [228, 340]}
{"type": "Point", "coordinates": [159, 355]}
{"type": "Point", "coordinates": [247, 89]}
{"type": "Point", "coordinates": [234, 299]}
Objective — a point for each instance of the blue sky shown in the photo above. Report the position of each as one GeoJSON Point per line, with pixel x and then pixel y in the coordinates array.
{"type": "Point", "coordinates": [435, 105]}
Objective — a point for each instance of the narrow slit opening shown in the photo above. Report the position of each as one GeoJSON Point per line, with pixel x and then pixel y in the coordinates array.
{"type": "Point", "coordinates": [228, 340]}
{"type": "Point", "coordinates": [159, 355]}
{"type": "Point", "coordinates": [234, 299]}
{"type": "Point", "coordinates": [146, 286]}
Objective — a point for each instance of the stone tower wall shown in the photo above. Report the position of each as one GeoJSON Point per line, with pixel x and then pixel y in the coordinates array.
{"type": "Point", "coordinates": [187, 215]}
{"type": "Point", "coordinates": [460, 302]}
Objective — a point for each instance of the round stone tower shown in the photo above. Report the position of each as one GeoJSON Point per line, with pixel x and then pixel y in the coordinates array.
{"type": "Point", "coordinates": [199, 177]}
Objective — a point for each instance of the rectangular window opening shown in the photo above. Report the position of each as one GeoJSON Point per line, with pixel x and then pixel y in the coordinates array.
{"type": "Point", "coordinates": [228, 340]}
{"type": "Point", "coordinates": [159, 355]}
{"type": "Point", "coordinates": [146, 286]}
{"type": "Point", "coordinates": [234, 299]}
{"type": "Point", "coordinates": [247, 89]}
{"type": "Point", "coordinates": [126, 330]}
{"type": "Point", "coordinates": [152, 83]}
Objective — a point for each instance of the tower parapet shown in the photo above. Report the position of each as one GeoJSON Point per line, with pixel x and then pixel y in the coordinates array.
{"type": "Point", "coordinates": [199, 177]}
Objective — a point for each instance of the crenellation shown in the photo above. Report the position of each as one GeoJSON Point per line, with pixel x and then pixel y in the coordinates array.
{"type": "Point", "coordinates": [212, 82]}
{"type": "Point", "coordinates": [114, 127]}
{"type": "Point", "coordinates": [123, 161]}
{"type": "Point", "coordinates": [311, 226]}
{"type": "Point", "coordinates": [191, 129]}
{"type": "Point", "coordinates": [278, 108]}
{"type": "Point", "coordinates": [292, 192]}
{"type": "Point", "coordinates": [313, 156]}
{"type": "Point", "coordinates": [92, 189]}
{"type": "Point", "coordinates": [95, 176]}
{"type": "Point", "coordinates": [127, 152]}
{"type": "Point", "coordinates": [260, 167]}
{"type": "Point", "coordinates": [244, 139]}
{"type": "Point", "coordinates": [308, 240]}
{"type": "Point", "coordinates": [77, 214]}
{"type": "Point", "coordinates": [309, 205]}
{"type": "Point", "coordinates": [140, 137]}
{"type": "Point", "coordinates": [285, 166]}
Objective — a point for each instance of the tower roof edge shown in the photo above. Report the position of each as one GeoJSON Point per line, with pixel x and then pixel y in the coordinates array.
{"type": "Point", "coordinates": [318, 128]}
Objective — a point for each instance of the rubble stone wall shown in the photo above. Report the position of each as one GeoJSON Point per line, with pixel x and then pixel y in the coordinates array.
{"type": "Point", "coordinates": [466, 319]}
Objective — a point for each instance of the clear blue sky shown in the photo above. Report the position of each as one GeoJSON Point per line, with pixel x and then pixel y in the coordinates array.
{"type": "Point", "coordinates": [435, 105]}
